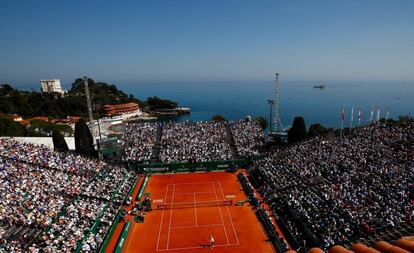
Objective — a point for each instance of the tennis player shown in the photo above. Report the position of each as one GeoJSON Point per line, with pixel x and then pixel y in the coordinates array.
{"type": "Point", "coordinates": [211, 241]}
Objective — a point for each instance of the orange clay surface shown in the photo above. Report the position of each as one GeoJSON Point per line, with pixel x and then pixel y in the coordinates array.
{"type": "Point", "coordinates": [184, 230]}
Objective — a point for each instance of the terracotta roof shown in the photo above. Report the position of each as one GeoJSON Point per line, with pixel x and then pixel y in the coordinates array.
{"type": "Point", "coordinates": [403, 245]}
{"type": "Point", "coordinates": [120, 108]}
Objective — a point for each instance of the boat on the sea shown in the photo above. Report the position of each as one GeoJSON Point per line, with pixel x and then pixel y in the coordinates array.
{"type": "Point", "coordinates": [322, 86]}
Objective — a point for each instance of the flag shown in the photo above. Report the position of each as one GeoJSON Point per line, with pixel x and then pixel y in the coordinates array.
{"type": "Point", "coordinates": [352, 114]}
{"type": "Point", "coordinates": [352, 119]}
{"type": "Point", "coordinates": [378, 113]}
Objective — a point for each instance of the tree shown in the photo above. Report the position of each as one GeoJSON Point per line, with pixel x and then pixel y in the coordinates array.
{"type": "Point", "coordinates": [83, 139]}
{"type": "Point", "coordinates": [5, 89]}
{"type": "Point", "coordinates": [156, 103]}
{"type": "Point", "coordinates": [59, 142]}
{"type": "Point", "coordinates": [218, 118]}
{"type": "Point", "coordinates": [11, 128]}
{"type": "Point", "coordinates": [78, 85]}
{"type": "Point", "coordinates": [317, 130]}
{"type": "Point", "coordinates": [262, 122]}
{"type": "Point", "coordinates": [32, 104]}
{"type": "Point", "coordinates": [298, 130]}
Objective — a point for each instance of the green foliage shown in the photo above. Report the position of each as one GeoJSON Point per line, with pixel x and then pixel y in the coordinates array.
{"type": "Point", "coordinates": [59, 142]}
{"type": "Point", "coordinates": [156, 103]}
{"type": "Point", "coordinates": [11, 128]}
{"type": "Point", "coordinates": [5, 89]}
{"type": "Point", "coordinates": [317, 130]}
{"type": "Point", "coordinates": [44, 128]}
{"type": "Point", "coordinates": [262, 122]}
{"type": "Point", "coordinates": [83, 139]}
{"type": "Point", "coordinates": [405, 120]}
{"type": "Point", "coordinates": [73, 103]}
{"type": "Point", "coordinates": [32, 104]}
{"type": "Point", "coordinates": [298, 130]}
{"type": "Point", "coordinates": [218, 118]}
{"type": "Point", "coordinates": [79, 87]}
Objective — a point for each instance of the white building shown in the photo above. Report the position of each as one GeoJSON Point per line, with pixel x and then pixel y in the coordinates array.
{"type": "Point", "coordinates": [52, 85]}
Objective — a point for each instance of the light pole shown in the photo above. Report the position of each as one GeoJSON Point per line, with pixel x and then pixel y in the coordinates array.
{"type": "Point", "coordinates": [271, 103]}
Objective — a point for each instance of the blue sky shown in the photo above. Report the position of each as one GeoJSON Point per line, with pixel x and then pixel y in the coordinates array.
{"type": "Point", "coordinates": [184, 40]}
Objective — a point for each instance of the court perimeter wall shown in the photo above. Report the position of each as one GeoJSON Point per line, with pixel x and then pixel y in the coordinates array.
{"type": "Point", "coordinates": [187, 167]}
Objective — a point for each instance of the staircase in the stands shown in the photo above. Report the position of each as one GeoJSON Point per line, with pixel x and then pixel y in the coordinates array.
{"type": "Point", "coordinates": [157, 147]}
{"type": "Point", "coordinates": [389, 234]}
{"type": "Point", "coordinates": [230, 140]}
{"type": "Point", "coordinates": [298, 229]}
{"type": "Point", "coordinates": [24, 234]}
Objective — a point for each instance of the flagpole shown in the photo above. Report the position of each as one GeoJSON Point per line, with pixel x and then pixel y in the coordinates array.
{"type": "Point", "coordinates": [342, 121]}
{"type": "Point", "coordinates": [372, 114]}
{"type": "Point", "coordinates": [388, 114]}
{"type": "Point", "coordinates": [352, 120]}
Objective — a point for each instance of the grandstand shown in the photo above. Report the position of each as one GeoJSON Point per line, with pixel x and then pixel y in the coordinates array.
{"type": "Point", "coordinates": [192, 142]}
{"type": "Point", "coordinates": [56, 202]}
{"type": "Point", "coordinates": [337, 195]}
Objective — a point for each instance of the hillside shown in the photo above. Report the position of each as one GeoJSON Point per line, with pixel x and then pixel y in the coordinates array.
{"type": "Point", "coordinates": [32, 104]}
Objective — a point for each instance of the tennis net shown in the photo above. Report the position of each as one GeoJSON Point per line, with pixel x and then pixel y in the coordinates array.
{"type": "Point", "coordinates": [194, 204]}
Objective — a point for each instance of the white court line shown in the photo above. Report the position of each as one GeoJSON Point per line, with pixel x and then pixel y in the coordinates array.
{"type": "Point", "coordinates": [169, 226]}
{"type": "Point", "coordinates": [222, 220]}
{"type": "Point", "coordinates": [188, 203]}
{"type": "Point", "coordinates": [162, 216]}
{"type": "Point", "coordinates": [190, 193]}
{"type": "Point", "coordinates": [206, 182]}
{"type": "Point", "coordinates": [199, 247]}
{"type": "Point", "coordinates": [231, 220]}
{"type": "Point", "coordinates": [199, 226]}
{"type": "Point", "coordinates": [195, 209]}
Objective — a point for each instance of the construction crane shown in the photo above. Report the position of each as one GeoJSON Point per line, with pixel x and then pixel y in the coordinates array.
{"type": "Point", "coordinates": [276, 119]}
{"type": "Point", "coordinates": [278, 134]}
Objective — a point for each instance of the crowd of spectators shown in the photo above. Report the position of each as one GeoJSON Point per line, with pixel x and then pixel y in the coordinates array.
{"type": "Point", "coordinates": [199, 141]}
{"type": "Point", "coordinates": [248, 137]}
{"type": "Point", "coordinates": [192, 141]}
{"type": "Point", "coordinates": [344, 187]}
{"type": "Point", "coordinates": [139, 140]}
{"type": "Point", "coordinates": [339, 188]}
{"type": "Point", "coordinates": [61, 194]}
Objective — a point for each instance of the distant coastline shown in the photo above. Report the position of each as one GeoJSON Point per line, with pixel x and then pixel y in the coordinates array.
{"type": "Point", "coordinates": [237, 99]}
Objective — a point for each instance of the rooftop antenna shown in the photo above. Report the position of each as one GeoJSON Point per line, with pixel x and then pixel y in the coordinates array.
{"type": "Point", "coordinates": [88, 98]}
{"type": "Point", "coordinates": [276, 118]}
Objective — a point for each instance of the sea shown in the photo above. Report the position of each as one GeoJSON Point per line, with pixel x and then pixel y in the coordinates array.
{"type": "Point", "coordinates": [239, 99]}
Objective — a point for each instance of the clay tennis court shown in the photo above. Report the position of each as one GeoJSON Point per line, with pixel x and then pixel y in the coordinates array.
{"type": "Point", "coordinates": [189, 208]}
